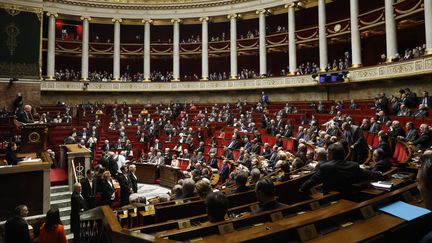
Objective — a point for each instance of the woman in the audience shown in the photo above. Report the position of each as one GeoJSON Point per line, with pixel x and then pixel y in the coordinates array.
{"type": "Point", "coordinates": [11, 157]}
{"type": "Point", "coordinates": [52, 231]}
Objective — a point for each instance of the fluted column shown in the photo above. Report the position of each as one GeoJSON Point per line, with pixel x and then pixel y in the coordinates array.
{"type": "Point", "coordinates": [51, 46]}
{"type": "Point", "coordinates": [233, 45]}
{"type": "Point", "coordinates": [147, 59]}
{"type": "Point", "coordinates": [262, 42]}
{"type": "Point", "coordinates": [355, 35]}
{"type": "Point", "coordinates": [176, 49]}
{"type": "Point", "coordinates": [204, 48]}
{"type": "Point", "coordinates": [85, 49]}
{"type": "Point", "coordinates": [322, 35]}
{"type": "Point", "coordinates": [390, 25]}
{"type": "Point", "coordinates": [428, 25]}
{"type": "Point", "coordinates": [292, 47]}
{"type": "Point", "coordinates": [116, 63]}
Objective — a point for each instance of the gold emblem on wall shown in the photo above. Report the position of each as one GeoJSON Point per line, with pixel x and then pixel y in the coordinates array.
{"type": "Point", "coordinates": [13, 11]}
{"type": "Point", "coordinates": [12, 32]}
{"type": "Point", "coordinates": [34, 137]}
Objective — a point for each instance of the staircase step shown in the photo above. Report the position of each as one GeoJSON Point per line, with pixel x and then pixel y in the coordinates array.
{"type": "Point", "coordinates": [55, 189]}
{"type": "Point", "coordinates": [61, 203]}
{"type": "Point", "coordinates": [65, 211]}
{"type": "Point", "coordinates": [60, 195]}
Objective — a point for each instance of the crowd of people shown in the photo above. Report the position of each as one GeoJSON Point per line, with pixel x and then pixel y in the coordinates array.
{"type": "Point", "coordinates": [415, 52]}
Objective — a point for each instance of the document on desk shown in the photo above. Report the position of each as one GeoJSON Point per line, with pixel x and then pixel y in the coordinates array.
{"type": "Point", "coordinates": [404, 210]}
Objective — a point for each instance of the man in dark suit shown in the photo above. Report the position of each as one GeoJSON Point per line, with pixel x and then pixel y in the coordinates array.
{"type": "Point", "coordinates": [233, 143]}
{"type": "Point", "coordinates": [224, 172]}
{"type": "Point", "coordinates": [353, 137]}
{"type": "Point", "coordinates": [112, 164]}
{"type": "Point", "coordinates": [264, 99]}
{"type": "Point", "coordinates": [374, 126]}
{"type": "Point", "coordinates": [396, 130]}
{"type": "Point", "coordinates": [337, 174]}
{"type": "Point", "coordinates": [106, 146]}
{"type": "Point", "coordinates": [425, 139]}
{"type": "Point", "coordinates": [125, 185]}
{"type": "Point", "coordinates": [426, 100]}
{"type": "Point", "coordinates": [16, 228]}
{"type": "Point", "coordinates": [265, 193]}
{"type": "Point", "coordinates": [133, 178]}
{"type": "Point", "coordinates": [412, 133]}
{"type": "Point", "coordinates": [382, 164]}
{"type": "Point", "coordinates": [78, 205]}
{"type": "Point", "coordinates": [421, 112]}
{"type": "Point", "coordinates": [25, 116]}
{"type": "Point", "coordinates": [89, 189]}
{"type": "Point", "coordinates": [213, 161]}
{"type": "Point", "coordinates": [255, 147]}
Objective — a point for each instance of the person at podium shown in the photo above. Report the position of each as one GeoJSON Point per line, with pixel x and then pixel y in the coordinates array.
{"type": "Point", "coordinates": [11, 157]}
{"type": "Point", "coordinates": [25, 116]}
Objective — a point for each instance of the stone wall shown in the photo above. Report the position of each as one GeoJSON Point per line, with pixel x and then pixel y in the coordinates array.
{"type": "Point", "coordinates": [360, 90]}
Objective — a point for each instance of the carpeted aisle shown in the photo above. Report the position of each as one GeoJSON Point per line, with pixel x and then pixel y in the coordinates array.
{"type": "Point", "coordinates": [59, 177]}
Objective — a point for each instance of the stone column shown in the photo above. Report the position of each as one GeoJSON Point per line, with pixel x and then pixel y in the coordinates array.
{"type": "Point", "coordinates": [51, 46]}
{"type": "Point", "coordinates": [204, 48]}
{"type": "Point", "coordinates": [116, 63]}
{"type": "Point", "coordinates": [233, 45]}
{"type": "Point", "coordinates": [322, 35]}
{"type": "Point", "coordinates": [176, 49]}
{"type": "Point", "coordinates": [262, 42]}
{"type": "Point", "coordinates": [390, 25]}
{"type": "Point", "coordinates": [355, 35]}
{"type": "Point", "coordinates": [85, 49]}
{"type": "Point", "coordinates": [147, 71]}
{"type": "Point", "coordinates": [428, 25]}
{"type": "Point", "coordinates": [292, 47]}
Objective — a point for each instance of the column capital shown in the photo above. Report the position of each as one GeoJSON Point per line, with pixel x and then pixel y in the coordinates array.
{"type": "Point", "coordinates": [115, 20]}
{"type": "Point", "coordinates": [234, 16]}
{"type": "Point", "coordinates": [176, 21]}
{"type": "Point", "coordinates": [85, 18]}
{"type": "Point", "coordinates": [204, 19]}
{"type": "Point", "coordinates": [295, 4]}
{"type": "Point", "coordinates": [52, 14]}
{"type": "Point", "coordinates": [145, 21]}
{"type": "Point", "coordinates": [263, 11]}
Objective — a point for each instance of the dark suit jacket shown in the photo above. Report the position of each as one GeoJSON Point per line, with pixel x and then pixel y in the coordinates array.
{"type": "Point", "coordinates": [424, 141]}
{"type": "Point", "coordinates": [224, 173]}
{"type": "Point", "coordinates": [134, 182]}
{"type": "Point", "coordinates": [382, 166]}
{"type": "Point", "coordinates": [89, 192]}
{"type": "Point", "coordinates": [107, 190]}
{"type": "Point", "coordinates": [11, 158]}
{"type": "Point", "coordinates": [16, 231]}
{"type": "Point", "coordinates": [78, 204]}
{"type": "Point", "coordinates": [107, 147]}
{"type": "Point", "coordinates": [338, 176]}
{"type": "Point", "coordinates": [24, 118]}
{"type": "Point", "coordinates": [397, 132]}
{"type": "Point", "coordinates": [113, 166]}
{"type": "Point", "coordinates": [125, 187]}
{"type": "Point", "coordinates": [384, 145]}
{"type": "Point", "coordinates": [412, 135]}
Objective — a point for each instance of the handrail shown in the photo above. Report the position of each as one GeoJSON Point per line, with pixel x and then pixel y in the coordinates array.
{"type": "Point", "coordinates": [74, 171]}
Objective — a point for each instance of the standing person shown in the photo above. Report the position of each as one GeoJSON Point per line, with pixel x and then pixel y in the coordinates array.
{"type": "Point", "coordinates": [89, 189]}
{"type": "Point", "coordinates": [78, 205]}
{"type": "Point", "coordinates": [16, 228]}
{"type": "Point", "coordinates": [52, 231]}
{"type": "Point", "coordinates": [107, 189]}
{"type": "Point", "coordinates": [133, 178]}
{"type": "Point", "coordinates": [125, 185]}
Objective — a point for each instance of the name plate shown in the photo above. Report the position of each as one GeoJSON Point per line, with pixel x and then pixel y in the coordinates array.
{"type": "Point", "coordinates": [276, 216]}
{"type": "Point", "coordinates": [307, 232]}
{"type": "Point", "coordinates": [226, 228]}
{"type": "Point", "coordinates": [178, 202]}
{"type": "Point", "coordinates": [367, 212]}
{"type": "Point", "coordinates": [184, 223]}
{"type": "Point", "coordinates": [149, 208]}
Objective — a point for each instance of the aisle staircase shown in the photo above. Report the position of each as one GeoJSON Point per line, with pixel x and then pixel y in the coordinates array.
{"type": "Point", "coordinates": [60, 198]}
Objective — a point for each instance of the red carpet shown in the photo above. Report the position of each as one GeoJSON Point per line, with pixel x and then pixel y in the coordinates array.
{"type": "Point", "coordinates": [58, 177]}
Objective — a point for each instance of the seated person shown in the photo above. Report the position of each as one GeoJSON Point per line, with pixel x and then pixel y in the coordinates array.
{"type": "Point", "coordinates": [265, 193]}
{"type": "Point", "coordinates": [421, 112]}
{"type": "Point", "coordinates": [337, 174]}
{"type": "Point", "coordinates": [381, 159]}
{"type": "Point", "coordinates": [424, 180]}
{"type": "Point", "coordinates": [217, 206]}
{"type": "Point", "coordinates": [241, 180]}
{"type": "Point", "coordinates": [189, 188]}
{"type": "Point", "coordinates": [285, 168]}
{"type": "Point", "coordinates": [203, 188]}
{"type": "Point", "coordinates": [11, 157]}
{"type": "Point", "coordinates": [425, 139]}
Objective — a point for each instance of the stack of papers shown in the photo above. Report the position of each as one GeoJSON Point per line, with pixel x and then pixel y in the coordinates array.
{"type": "Point", "coordinates": [404, 210]}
